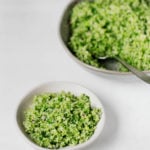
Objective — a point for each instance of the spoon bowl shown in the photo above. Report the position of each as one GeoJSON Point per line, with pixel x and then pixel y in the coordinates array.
{"type": "Point", "coordinates": [112, 62]}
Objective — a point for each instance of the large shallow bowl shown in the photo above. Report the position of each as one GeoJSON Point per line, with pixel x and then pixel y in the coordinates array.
{"type": "Point", "coordinates": [57, 87]}
{"type": "Point", "coordinates": [65, 35]}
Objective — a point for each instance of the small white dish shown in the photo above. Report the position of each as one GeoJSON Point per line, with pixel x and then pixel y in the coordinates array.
{"type": "Point", "coordinates": [57, 87]}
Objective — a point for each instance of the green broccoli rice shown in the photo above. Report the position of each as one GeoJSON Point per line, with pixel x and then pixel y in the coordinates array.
{"type": "Point", "coordinates": [113, 28]}
{"type": "Point", "coordinates": [62, 119]}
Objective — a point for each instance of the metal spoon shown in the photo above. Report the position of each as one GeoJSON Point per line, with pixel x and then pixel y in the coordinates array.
{"type": "Point", "coordinates": [112, 64]}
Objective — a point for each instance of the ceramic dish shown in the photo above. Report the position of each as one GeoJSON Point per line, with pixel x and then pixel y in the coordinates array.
{"type": "Point", "coordinates": [65, 35]}
{"type": "Point", "coordinates": [50, 87]}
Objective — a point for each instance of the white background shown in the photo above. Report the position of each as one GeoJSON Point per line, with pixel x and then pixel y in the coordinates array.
{"type": "Point", "coordinates": [31, 53]}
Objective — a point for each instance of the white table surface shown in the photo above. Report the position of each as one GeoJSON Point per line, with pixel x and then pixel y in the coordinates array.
{"type": "Point", "coordinates": [31, 53]}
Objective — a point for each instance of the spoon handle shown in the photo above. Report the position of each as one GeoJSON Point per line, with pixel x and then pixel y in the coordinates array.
{"type": "Point", "coordinates": [143, 76]}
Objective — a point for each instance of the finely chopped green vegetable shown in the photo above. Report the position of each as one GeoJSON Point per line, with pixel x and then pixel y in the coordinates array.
{"type": "Point", "coordinates": [62, 119]}
{"type": "Point", "coordinates": [113, 28]}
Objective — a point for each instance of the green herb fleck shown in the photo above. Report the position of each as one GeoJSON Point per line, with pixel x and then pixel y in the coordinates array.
{"type": "Point", "coordinates": [57, 120]}
{"type": "Point", "coordinates": [112, 28]}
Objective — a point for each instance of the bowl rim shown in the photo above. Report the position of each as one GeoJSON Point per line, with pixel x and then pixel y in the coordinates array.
{"type": "Point", "coordinates": [76, 147]}
{"type": "Point", "coordinates": [77, 60]}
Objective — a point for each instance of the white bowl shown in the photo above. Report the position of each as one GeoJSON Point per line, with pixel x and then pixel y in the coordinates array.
{"type": "Point", "coordinates": [57, 87]}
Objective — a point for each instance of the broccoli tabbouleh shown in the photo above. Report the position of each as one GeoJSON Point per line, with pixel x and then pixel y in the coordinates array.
{"type": "Point", "coordinates": [62, 119]}
{"type": "Point", "coordinates": [113, 28]}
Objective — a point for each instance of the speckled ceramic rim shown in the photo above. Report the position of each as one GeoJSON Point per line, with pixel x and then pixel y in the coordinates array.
{"type": "Point", "coordinates": [55, 87]}
{"type": "Point", "coordinates": [99, 70]}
